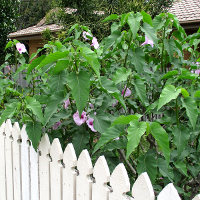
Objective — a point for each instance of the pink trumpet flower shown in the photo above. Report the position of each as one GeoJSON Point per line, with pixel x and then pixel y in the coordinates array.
{"type": "Point", "coordinates": [148, 41]}
{"type": "Point", "coordinates": [95, 43]}
{"type": "Point", "coordinates": [90, 124]}
{"type": "Point", "coordinates": [79, 121]}
{"type": "Point", "coordinates": [20, 48]}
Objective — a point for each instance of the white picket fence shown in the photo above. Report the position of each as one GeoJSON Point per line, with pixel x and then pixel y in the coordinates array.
{"type": "Point", "coordinates": [51, 174]}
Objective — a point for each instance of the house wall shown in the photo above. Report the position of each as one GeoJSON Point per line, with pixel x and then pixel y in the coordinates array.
{"type": "Point", "coordinates": [34, 45]}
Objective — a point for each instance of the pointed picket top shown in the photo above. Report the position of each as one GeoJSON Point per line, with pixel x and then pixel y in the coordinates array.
{"type": "Point", "coordinates": [16, 131]}
{"type": "Point", "coordinates": [8, 128]}
{"type": "Point", "coordinates": [142, 188]}
{"type": "Point", "coordinates": [119, 180]}
{"type": "Point", "coordinates": [2, 128]}
{"type": "Point", "coordinates": [24, 135]}
{"type": "Point", "coordinates": [56, 150]}
{"type": "Point", "coordinates": [44, 146]}
{"type": "Point", "coordinates": [169, 193]}
{"type": "Point", "coordinates": [101, 170]}
{"type": "Point", "coordinates": [84, 163]}
{"type": "Point", "coordinates": [197, 197]}
{"type": "Point", "coordinates": [69, 156]}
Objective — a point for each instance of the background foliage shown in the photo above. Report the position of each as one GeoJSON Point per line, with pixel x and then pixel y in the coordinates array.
{"type": "Point", "coordinates": [141, 94]}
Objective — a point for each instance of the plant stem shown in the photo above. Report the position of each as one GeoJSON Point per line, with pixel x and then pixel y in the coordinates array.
{"type": "Point", "coordinates": [177, 119]}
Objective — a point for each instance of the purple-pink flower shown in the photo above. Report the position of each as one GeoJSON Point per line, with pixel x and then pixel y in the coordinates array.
{"type": "Point", "coordinates": [197, 71]}
{"type": "Point", "coordinates": [66, 103]}
{"type": "Point", "coordinates": [80, 120]}
{"type": "Point", "coordinates": [147, 41]}
{"type": "Point", "coordinates": [90, 124]}
{"type": "Point", "coordinates": [85, 34]}
{"type": "Point", "coordinates": [127, 93]}
{"type": "Point", "coordinates": [56, 125]}
{"type": "Point", "coordinates": [91, 105]}
{"type": "Point", "coordinates": [20, 48]}
{"type": "Point", "coordinates": [95, 43]}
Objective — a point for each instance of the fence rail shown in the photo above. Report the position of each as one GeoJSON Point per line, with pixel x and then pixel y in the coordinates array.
{"type": "Point", "coordinates": [51, 174]}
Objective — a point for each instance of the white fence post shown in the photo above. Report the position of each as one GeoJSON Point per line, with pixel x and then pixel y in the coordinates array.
{"type": "Point", "coordinates": [56, 170]}
{"type": "Point", "coordinates": [119, 182]}
{"type": "Point", "coordinates": [17, 162]}
{"type": "Point", "coordinates": [25, 167]}
{"type": "Point", "coordinates": [101, 174]}
{"type": "Point", "coordinates": [29, 175]}
{"type": "Point", "coordinates": [2, 163]}
{"type": "Point", "coordinates": [69, 174]}
{"type": "Point", "coordinates": [9, 160]}
{"type": "Point", "coordinates": [44, 168]}
{"type": "Point", "coordinates": [83, 181]}
{"type": "Point", "coordinates": [169, 193]}
{"type": "Point", "coordinates": [142, 188]}
{"type": "Point", "coordinates": [34, 174]}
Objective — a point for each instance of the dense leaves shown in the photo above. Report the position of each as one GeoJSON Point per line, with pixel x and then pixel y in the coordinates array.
{"type": "Point", "coordinates": [137, 98]}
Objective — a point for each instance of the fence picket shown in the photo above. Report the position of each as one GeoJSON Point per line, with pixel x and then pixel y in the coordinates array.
{"type": "Point", "coordinates": [34, 174]}
{"type": "Point", "coordinates": [83, 182]}
{"type": "Point", "coordinates": [56, 170]}
{"type": "Point", "coordinates": [9, 160]}
{"type": "Point", "coordinates": [169, 193]}
{"type": "Point", "coordinates": [44, 168]}
{"type": "Point", "coordinates": [69, 173]}
{"type": "Point", "coordinates": [17, 161]}
{"type": "Point", "coordinates": [2, 163]}
{"type": "Point", "coordinates": [25, 157]}
{"type": "Point", "coordinates": [197, 197]}
{"type": "Point", "coordinates": [119, 182]}
{"type": "Point", "coordinates": [29, 175]}
{"type": "Point", "coordinates": [101, 174]}
{"type": "Point", "coordinates": [142, 188]}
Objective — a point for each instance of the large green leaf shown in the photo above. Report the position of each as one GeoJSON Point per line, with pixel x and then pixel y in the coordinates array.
{"type": "Point", "coordinates": [35, 107]}
{"type": "Point", "coordinates": [80, 86]}
{"type": "Point", "coordinates": [121, 75]}
{"type": "Point", "coordinates": [92, 59]}
{"type": "Point", "coordinates": [80, 139]}
{"type": "Point", "coordinates": [170, 46]}
{"type": "Point", "coordinates": [181, 166]}
{"type": "Point", "coordinates": [134, 23]}
{"type": "Point", "coordinates": [161, 138]}
{"type": "Point", "coordinates": [109, 85]}
{"type": "Point", "coordinates": [52, 105]}
{"type": "Point", "coordinates": [101, 122]}
{"type": "Point", "coordinates": [165, 169]}
{"type": "Point", "coordinates": [111, 17]}
{"type": "Point", "coordinates": [168, 93]}
{"type": "Point", "coordinates": [148, 163]}
{"type": "Point", "coordinates": [181, 137]}
{"type": "Point", "coordinates": [52, 57]}
{"type": "Point", "coordinates": [57, 81]}
{"type": "Point", "coordinates": [9, 111]}
{"type": "Point", "coordinates": [135, 132]}
{"type": "Point", "coordinates": [111, 40]}
{"type": "Point", "coordinates": [123, 120]}
{"type": "Point", "coordinates": [137, 58]}
{"type": "Point", "coordinates": [147, 18]}
{"type": "Point", "coordinates": [60, 66]}
{"type": "Point", "coordinates": [34, 131]}
{"type": "Point", "coordinates": [110, 134]}
{"type": "Point", "coordinates": [191, 110]}
{"type": "Point", "coordinates": [35, 63]}
{"type": "Point", "coordinates": [149, 32]}
{"type": "Point", "coordinates": [141, 91]}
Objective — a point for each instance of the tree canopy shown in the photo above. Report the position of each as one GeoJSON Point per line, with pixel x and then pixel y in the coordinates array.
{"type": "Point", "coordinates": [8, 16]}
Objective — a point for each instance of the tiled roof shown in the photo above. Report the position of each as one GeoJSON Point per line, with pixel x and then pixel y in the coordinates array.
{"type": "Point", "coordinates": [35, 30]}
{"type": "Point", "coordinates": [40, 27]}
{"type": "Point", "coordinates": [186, 10]}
